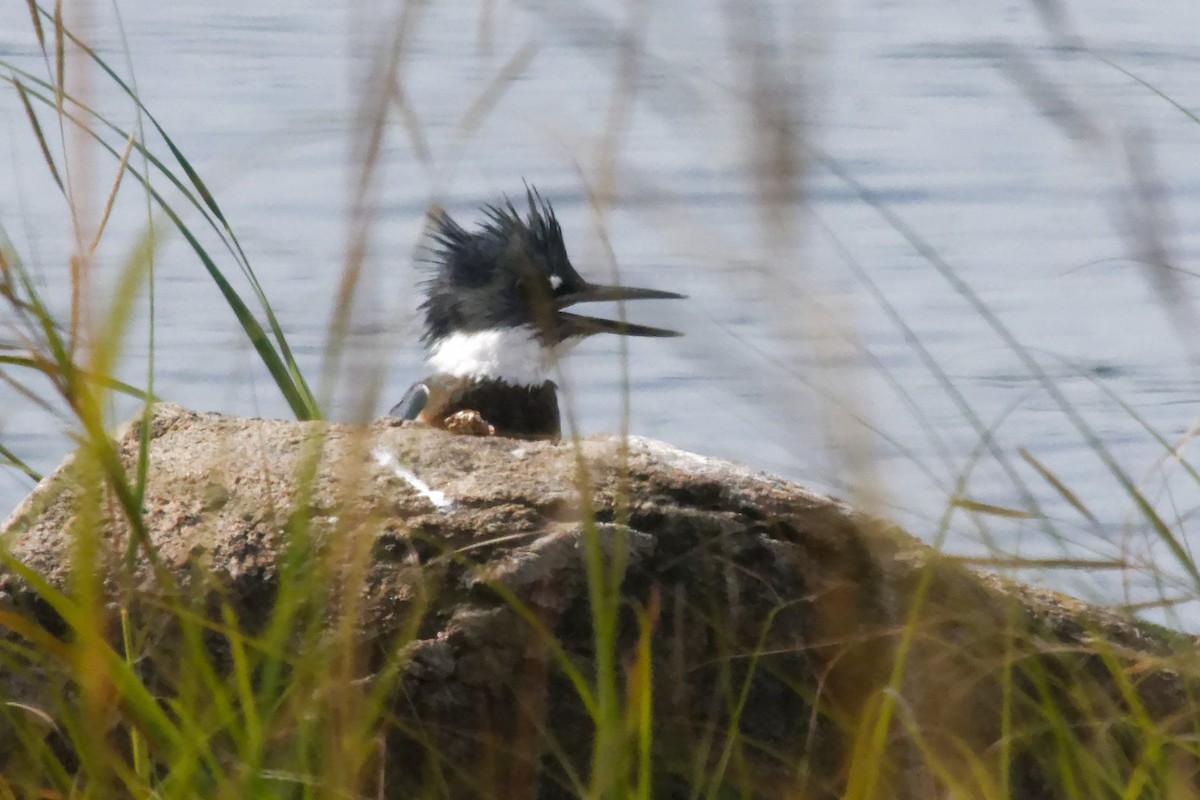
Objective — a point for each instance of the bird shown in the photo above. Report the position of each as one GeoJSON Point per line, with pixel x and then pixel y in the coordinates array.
{"type": "Point", "coordinates": [495, 326]}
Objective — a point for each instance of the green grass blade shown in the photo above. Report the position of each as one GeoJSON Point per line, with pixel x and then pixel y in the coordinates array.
{"type": "Point", "coordinates": [14, 461]}
{"type": "Point", "coordinates": [36, 19]}
{"type": "Point", "coordinates": [211, 203]}
{"type": "Point", "coordinates": [100, 380]}
{"type": "Point", "coordinates": [301, 401]}
{"type": "Point", "coordinates": [40, 135]}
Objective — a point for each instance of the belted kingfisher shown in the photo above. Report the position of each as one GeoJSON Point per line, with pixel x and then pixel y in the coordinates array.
{"type": "Point", "coordinates": [495, 325]}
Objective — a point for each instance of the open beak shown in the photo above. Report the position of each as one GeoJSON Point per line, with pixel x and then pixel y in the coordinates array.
{"type": "Point", "coordinates": [578, 325]}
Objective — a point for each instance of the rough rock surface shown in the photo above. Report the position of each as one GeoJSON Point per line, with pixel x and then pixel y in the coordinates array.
{"type": "Point", "coordinates": [777, 616]}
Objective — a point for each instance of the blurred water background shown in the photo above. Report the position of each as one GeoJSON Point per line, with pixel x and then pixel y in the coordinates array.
{"type": "Point", "coordinates": [1024, 143]}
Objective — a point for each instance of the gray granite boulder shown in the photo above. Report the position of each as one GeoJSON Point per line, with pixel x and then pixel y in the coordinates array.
{"type": "Point", "coordinates": [784, 632]}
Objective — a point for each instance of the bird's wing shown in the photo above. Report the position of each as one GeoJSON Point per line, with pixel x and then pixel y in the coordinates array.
{"type": "Point", "coordinates": [412, 403]}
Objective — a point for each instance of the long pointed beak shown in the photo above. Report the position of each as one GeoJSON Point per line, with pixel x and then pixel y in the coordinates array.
{"type": "Point", "coordinates": [598, 293]}
{"type": "Point", "coordinates": [579, 325]}
{"type": "Point", "coordinates": [571, 325]}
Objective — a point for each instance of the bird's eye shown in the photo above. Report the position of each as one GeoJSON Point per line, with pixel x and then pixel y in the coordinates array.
{"type": "Point", "coordinates": [555, 282]}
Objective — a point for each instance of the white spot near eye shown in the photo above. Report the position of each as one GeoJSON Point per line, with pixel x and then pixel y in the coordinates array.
{"type": "Point", "coordinates": [555, 282]}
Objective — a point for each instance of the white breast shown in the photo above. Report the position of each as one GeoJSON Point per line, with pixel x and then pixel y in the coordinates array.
{"type": "Point", "coordinates": [513, 355]}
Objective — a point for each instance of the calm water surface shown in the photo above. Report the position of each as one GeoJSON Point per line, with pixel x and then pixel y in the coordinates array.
{"type": "Point", "coordinates": [996, 143]}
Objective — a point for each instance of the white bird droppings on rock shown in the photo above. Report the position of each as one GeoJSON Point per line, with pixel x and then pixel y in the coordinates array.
{"type": "Point", "coordinates": [388, 461]}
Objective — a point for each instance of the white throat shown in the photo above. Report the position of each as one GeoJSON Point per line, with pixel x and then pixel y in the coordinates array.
{"type": "Point", "coordinates": [513, 355]}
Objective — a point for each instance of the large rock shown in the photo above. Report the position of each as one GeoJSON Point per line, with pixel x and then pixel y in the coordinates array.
{"type": "Point", "coordinates": [798, 649]}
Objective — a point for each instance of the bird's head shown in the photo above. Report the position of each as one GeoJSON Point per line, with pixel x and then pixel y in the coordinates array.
{"type": "Point", "coordinates": [503, 286]}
